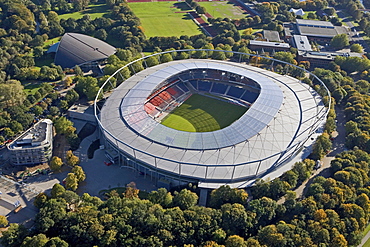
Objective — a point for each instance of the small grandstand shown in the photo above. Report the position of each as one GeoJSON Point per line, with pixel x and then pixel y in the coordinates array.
{"type": "Point", "coordinates": [220, 85]}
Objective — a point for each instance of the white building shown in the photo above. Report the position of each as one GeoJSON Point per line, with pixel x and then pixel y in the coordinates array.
{"type": "Point", "coordinates": [34, 146]}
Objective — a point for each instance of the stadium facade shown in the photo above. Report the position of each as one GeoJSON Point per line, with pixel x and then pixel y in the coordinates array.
{"type": "Point", "coordinates": [283, 114]}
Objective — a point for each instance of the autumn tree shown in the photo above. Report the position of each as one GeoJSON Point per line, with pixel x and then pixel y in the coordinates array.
{"type": "Point", "coordinates": [56, 163]}
{"type": "Point", "coordinates": [80, 174]}
{"type": "Point", "coordinates": [72, 160]}
{"type": "Point", "coordinates": [71, 181]}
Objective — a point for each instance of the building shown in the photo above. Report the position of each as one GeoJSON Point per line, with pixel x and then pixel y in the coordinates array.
{"type": "Point", "coordinates": [319, 30]}
{"type": "Point", "coordinates": [297, 11]}
{"type": "Point", "coordinates": [82, 50]}
{"type": "Point", "coordinates": [301, 43]}
{"type": "Point", "coordinates": [34, 146]}
{"type": "Point", "coordinates": [258, 45]}
{"type": "Point", "coordinates": [322, 59]}
{"type": "Point", "coordinates": [284, 115]}
{"type": "Point", "coordinates": [272, 36]}
{"type": "Point", "coordinates": [83, 112]}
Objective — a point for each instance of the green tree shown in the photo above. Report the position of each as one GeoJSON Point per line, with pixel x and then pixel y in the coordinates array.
{"type": "Point", "coordinates": [235, 241]}
{"type": "Point", "coordinates": [78, 71]}
{"type": "Point", "coordinates": [71, 181]}
{"type": "Point", "coordinates": [285, 56]}
{"type": "Point", "coordinates": [226, 194]}
{"type": "Point", "coordinates": [161, 197]}
{"type": "Point", "coordinates": [56, 163]}
{"type": "Point", "coordinates": [56, 242]}
{"type": "Point", "coordinates": [185, 199]}
{"type": "Point", "coordinates": [14, 236]}
{"type": "Point", "coordinates": [57, 191]}
{"type": "Point", "coordinates": [339, 41]}
{"type": "Point", "coordinates": [61, 125]}
{"type": "Point", "coordinates": [35, 241]}
{"type": "Point", "coordinates": [357, 48]}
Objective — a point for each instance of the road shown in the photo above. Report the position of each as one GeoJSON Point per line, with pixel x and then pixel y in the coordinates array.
{"type": "Point", "coordinates": [354, 35]}
{"type": "Point", "coordinates": [338, 147]}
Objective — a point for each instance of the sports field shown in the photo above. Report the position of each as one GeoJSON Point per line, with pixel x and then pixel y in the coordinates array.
{"type": "Point", "coordinates": [203, 114]}
{"type": "Point", "coordinates": [161, 19]}
{"type": "Point", "coordinates": [223, 10]}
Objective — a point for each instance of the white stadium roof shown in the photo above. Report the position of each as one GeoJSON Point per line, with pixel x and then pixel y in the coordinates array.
{"type": "Point", "coordinates": [282, 118]}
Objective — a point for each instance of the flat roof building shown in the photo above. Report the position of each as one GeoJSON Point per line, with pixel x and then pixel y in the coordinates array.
{"type": "Point", "coordinates": [34, 146]}
{"type": "Point", "coordinates": [272, 36]}
{"type": "Point", "coordinates": [301, 43]}
{"type": "Point", "coordinates": [319, 29]}
{"type": "Point", "coordinates": [322, 59]}
{"type": "Point", "coordinates": [268, 46]}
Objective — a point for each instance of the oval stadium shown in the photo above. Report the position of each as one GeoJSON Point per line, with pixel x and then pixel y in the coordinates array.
{"type": "Point", "coordinates": [209, 122]}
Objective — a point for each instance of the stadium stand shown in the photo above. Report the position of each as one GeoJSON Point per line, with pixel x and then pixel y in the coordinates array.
{"type": "Point", "coordinates": [219, 88]}
{"type": "Point", "coordinates": [235, 92]}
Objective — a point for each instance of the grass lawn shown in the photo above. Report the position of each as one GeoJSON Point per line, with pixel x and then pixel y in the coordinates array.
{"type": "Point", "coordinates": [367, 229]}
{"type": "Point", "coordinates": [94, 10]}
{"type": "Point", "coordinates": [160, 19]}
{"type": "Point", "coordinates": [50, 42]}
{"type": "Point", "coordinates": [32, 87]}
{"type": "Point", "coordinates": [203, 114]}
{"type": "Point", "coordinates": [223, 10]}
{"type": "Point", "coordinates": [367, 243]}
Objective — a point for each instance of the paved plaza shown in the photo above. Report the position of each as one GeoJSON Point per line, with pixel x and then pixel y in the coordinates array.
{"type": "Point", "coordinates": [98, 177]}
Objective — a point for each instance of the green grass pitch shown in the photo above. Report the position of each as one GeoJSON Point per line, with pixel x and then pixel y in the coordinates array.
{"type": "Point", "coordinates": [160, 19]}
{"type": "Point", "coordinates": [203, 114]}
{"type": "Point", "coordinates": [223, 10]}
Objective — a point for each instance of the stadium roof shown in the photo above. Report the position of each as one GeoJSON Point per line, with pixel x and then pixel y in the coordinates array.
{"type": "Point", "coordinates": [76, 49]}
{"type": "Point", "coordinates": [282, 118]}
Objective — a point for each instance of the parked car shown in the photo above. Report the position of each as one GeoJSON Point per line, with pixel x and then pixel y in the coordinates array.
{"type": "Point", "coordinates": [318, 164]}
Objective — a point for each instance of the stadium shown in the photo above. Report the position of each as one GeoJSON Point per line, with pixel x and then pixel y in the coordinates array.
{"type": "Point", "coordinates": [207, 122]}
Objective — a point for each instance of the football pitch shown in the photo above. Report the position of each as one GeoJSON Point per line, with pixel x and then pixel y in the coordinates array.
{"type": "Point", "coordinates": [223, 10]}
{"type": "Point", "coordinates": [203, 114]}
{"type": "Point", "coordinates": [165, 18]}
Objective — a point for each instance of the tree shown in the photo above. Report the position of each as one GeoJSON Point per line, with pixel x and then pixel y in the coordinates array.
{"type": "Point", "coordinates": [235, 241]}
{"type": "Point", "coordinates": [71, 181]}
{"type": "Point", "coordinates": [14, 236]}
{"type": "Point", "coordinates": [56, 242]}
{"type": "Point", "coordinates": [57, 191]}
{"type": "Point", "coordinates": [357, 48]}
{"type": "Point", "coordinates": [185, 199]}
{"type": "Point", "coordinates": [3, 221]}
{"type": "Point", "coordinates": [339, 41]}
{"type": "Point", "coordinates": [131, 191]}
{"type": "Point", "coordinates": [72, 160]}
{"type": "Point", "coordinates": [78, 71]}
{"type": "Point", "coordinates": [225, 194]}
{"type": "Point", "coordinates": [35, 241]}
{"type": "Point", "coordinates": [56, 163]}
{"type": "Point", "coordinates": [161, 197]}
{"type": "Point", "coordinates": [67, 81]}
{"type": "Point", "coordinates": [285, 56]}
{"type": "Point", "coordinates": [80, 174]}
{"type": "Point", "coordinates": [62, 124]}
{"type": "Point", "coordinates": [11, 93]}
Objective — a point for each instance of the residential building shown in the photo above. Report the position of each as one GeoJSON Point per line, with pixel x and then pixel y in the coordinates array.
{"type": "Point", "coordinates": [34, 146]}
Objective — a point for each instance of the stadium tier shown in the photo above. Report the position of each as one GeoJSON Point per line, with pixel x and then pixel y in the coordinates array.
{"type": "Point", "coordinates": [280, 116]}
